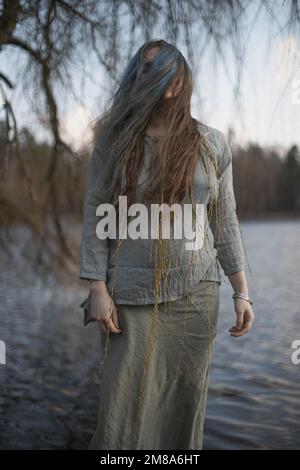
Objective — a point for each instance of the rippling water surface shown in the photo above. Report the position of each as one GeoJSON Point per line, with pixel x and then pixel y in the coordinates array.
{"type": "Point", "coordinates": [49, 386]}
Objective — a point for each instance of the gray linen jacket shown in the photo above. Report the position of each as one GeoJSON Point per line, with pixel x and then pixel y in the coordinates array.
{"type": "Point", "coordinates": [131, 274]}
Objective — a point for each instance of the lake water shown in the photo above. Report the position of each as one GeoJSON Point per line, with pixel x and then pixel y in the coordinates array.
{"type": "Point", "coordinates": [49, 386]}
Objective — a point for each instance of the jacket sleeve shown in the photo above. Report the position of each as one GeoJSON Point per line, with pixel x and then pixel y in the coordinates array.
{"type": "Point", "coordinates": [93, 251]}
{"type": "Point", "coordinates": [224, 221]}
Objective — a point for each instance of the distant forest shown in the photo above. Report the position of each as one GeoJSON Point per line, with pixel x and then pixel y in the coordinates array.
{"type": "Point", "coordinates": [265, 184]}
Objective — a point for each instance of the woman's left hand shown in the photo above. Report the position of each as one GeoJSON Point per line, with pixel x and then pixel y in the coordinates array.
{"type": "Point", "coordinates": [244, 317]}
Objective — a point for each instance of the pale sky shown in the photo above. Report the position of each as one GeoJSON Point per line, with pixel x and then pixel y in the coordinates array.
{"type": "Point", "coordinates": [270, 93]}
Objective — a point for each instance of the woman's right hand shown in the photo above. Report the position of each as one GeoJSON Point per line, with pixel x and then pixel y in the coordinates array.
{"type": "Point", "coordinates": [103, 308]}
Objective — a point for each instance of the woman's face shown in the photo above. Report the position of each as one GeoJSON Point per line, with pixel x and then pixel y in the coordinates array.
{"type": "Point", "coordinates": [174, 88]}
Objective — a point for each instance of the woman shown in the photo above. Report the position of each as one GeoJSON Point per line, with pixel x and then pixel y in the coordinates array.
{"type": "Point", "coordinates": [156, 301]}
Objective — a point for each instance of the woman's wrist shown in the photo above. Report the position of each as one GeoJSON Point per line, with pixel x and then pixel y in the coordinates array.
{"type": "Point", "coordinates": [242, 292]}
{"type": "Point", "coordinates": [96, 285]}
{"type": "Point", "coordinates": [243, 296]}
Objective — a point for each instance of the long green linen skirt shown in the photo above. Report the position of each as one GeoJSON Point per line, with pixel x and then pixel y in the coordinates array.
{"type": "Point", "coordinates": [154, 375]}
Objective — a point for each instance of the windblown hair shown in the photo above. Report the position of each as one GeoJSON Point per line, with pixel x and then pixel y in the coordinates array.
{"type": "Point", "coordinates": [123, 126]}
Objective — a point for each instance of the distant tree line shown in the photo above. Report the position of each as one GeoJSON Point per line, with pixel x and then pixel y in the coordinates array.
{"type": "Point", "coordinates": [264, 182]}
